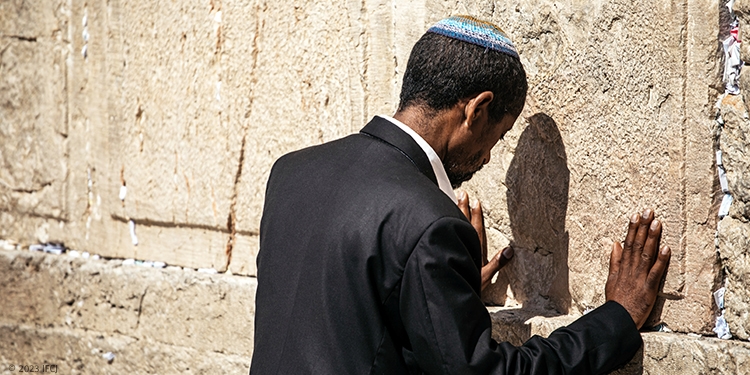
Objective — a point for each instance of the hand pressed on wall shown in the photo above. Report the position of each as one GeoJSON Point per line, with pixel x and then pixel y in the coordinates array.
{"type": "Point", "coordinates": [474, 213]}
{"type": "Point", "coordinates": [636, 268]}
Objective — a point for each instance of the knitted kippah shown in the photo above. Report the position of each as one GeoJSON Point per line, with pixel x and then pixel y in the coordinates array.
{"type": "Point", "coordinates": [471, 30]}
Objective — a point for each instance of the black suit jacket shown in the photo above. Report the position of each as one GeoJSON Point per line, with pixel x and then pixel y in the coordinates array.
{"type": "Point", "coordinates": [367, 267]}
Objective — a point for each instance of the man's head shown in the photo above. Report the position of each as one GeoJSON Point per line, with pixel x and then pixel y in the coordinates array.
{"type": "Point", "coordinates": [467, 72]}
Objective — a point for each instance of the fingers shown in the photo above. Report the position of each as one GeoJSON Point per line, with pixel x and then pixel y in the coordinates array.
{"type": "Point", "coordinates": [495, 264]}
{"type": "Point", "coordinates": [615, 259]}
{"type": "Point", "coordinates": [505, 256]}
{"type": "Point", "coordinates": [477, 217]}
{"type": "Point", "coordinates": [614, 269]}
{"type": "Point", "coordinates": [488, 271]}
{"type": "Point", "coordinates": [637, 268]}
{"type": "Point", "coordinates": [642, 234]}
{"type": "Point", "coordinates": [473, 213]}
{"type": "Point", "coordinates": [463, 203]}
{"type": "Point", "coordinates": [651, 246]}
{"type": "Point", "coordinates": [630, 237]}
{"type": "Point", "coordinates": [477, 221]}
{"type": "Point", "coordinates": [660, 266]}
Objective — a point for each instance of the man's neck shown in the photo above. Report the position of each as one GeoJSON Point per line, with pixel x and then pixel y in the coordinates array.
{"type": "Point", "coordinates": [434, 128]}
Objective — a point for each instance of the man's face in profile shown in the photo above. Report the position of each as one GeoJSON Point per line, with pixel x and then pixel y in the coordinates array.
{"type": "Point", "coordinates": [461, 164]}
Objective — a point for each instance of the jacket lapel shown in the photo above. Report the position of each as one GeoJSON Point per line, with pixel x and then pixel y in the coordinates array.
{"type": "Point", "coordinates": [389, 133]}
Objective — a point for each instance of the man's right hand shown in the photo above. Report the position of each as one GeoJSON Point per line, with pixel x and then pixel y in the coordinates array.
{"type": "Point", "coordinates": [636, 269]}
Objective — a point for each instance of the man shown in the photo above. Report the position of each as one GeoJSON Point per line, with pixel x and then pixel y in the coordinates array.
{"type": "Point", "coordinates": [368, 263]}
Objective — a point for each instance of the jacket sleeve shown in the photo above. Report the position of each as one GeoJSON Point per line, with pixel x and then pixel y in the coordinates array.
{"type": "Point", "coordinates": [450, 330]}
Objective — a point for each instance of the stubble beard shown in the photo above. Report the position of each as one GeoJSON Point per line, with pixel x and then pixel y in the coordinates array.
{"type": "Point", "coordinates": [460, 171]}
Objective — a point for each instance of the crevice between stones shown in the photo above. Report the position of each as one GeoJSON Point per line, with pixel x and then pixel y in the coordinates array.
{"type": "Point", "coordinates": [171, 224]}
{"type": "Point", "coordinates": [232, 218]}
{"type": "Point", "coordinates": [140, 307]}
{"type": "Point", "coordinates": [22, 38]}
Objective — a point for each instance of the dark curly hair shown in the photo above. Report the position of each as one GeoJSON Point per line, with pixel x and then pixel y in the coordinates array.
{"type": "Point", "coordinates": [441, 71]}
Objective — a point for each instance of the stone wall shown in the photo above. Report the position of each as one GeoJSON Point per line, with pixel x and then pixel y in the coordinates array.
{"type": "Point", "coordinates": [733, 236]}
{"type": "Point", "coordinates": [106, 317]}
{"type": "Point", "coordinates": [187, 104]}
{"type": "Point", "coordinates": [70, 312]}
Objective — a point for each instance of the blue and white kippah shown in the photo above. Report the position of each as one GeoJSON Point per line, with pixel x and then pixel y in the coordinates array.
{"type": "Point", "coordinates": [471, 30]}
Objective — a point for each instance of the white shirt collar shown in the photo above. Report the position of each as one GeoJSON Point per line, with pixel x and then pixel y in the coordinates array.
{"type": "Point", "coordinates": [437, 165]}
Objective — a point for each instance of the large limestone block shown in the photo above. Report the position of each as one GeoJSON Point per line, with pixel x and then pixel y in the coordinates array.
{"type": "Point", "coordinates": [312, 66]}
{"type": "Point", "coordinates": [177, 153]}
{"type": "Point", "coordinates": [734, 247]}
{"type": "Point", "coordinates": [741, 9]}
{"type": "Point", "coordinates": [186, 246]}
{"type": "Point", "coordinates": [515, 325]}
{"type": "Point", "coordinates": [76, 351]}
{"type": "Point", "coordinates": [245, 250]}
{"type": "Point", "coordinates": [702, 84]}
{"type": "Point", "coordinates": [240, 33]}
{"type": "Point", "coordinates": [665, 353]}
{"type": "Point", "coordinates": [175, 148]}
{"type": "Point", "coordinates": [734, 141]}
{"type": "Point", "coordinates": [33, 117]}
{"type": "Point", "coordinates": [33, 19]}
{"type": "Point", "coordinates": [89, 179]}
{"type": "Point", "coordinates": [185, 308]}
{"type": "Point", "coordinates": [734, 230]}
{"type": "Point", "coordinates": [33, 131]}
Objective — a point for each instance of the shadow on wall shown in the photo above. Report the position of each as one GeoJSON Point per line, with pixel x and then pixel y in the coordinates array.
{"type": "Point", "coordinates": [538, 179]}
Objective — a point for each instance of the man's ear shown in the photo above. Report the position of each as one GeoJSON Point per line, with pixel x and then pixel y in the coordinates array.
{"type": "Point", "coordinates": [477, 108]}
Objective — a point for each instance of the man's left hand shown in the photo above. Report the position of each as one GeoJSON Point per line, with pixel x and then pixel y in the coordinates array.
{"type": "Point", "coordinates": [473, 212]}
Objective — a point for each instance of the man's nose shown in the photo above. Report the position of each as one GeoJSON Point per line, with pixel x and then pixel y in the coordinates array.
{"type": "Point", "coordinates": [487, 158]}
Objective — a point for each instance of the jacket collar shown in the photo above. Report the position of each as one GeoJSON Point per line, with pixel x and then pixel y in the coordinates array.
{"type": "Point", "coordinates": [389, 133]}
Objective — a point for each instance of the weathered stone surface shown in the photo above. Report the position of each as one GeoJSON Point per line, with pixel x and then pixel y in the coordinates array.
{"type": "Point", "coordinates": [734, 247]}
{"type": "Point", "coordinates": [662, 353]}
{"type": "Point", "coordinates": [734, 141]}
{"type": "Point", "coordinates": [89, 202]}
{"type": "Point", "coordinates": [188, 105]}
{"type": "Point", "coordinates": [742, 11]}
{"type": "Point", "coordinates": [211, 313]}
{"type": "Point", "coordinates": [33, 19]}
{"type": "Point", "coordinates": [33, 118]}
{"type": "Point", "coordinates": [308, 85]}
{"type": "Point", "coordinates": [76, 351]}
{"type": "Point", "coordinates": [243, 255]}
{"type": "Point", "coordinates": [702, 85]}
{"type": "Point", "coordinates": [516, 325]}
{"type": "Point", "coordinates": [69, 312]}
{"type": "Point", "coordinates": [312, 66]}
{"type": "Point", "coordinates": [176, 151]}
{"type": "Point", "coordinates": [603, 135]}
{"type": "Point", "coordinates": [178, 156]}
{"type": "Point", "coordinates": [734, 230]}
{"type": "Point", "coordinates": [666, 353]}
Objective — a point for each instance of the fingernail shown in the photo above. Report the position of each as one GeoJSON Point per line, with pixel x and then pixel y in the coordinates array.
{"type": "Point", "coordinates": [507, 253]}
{"type": "Point", "coordinates": [665, 250]}
{"type": "Point", "coordinates": [655, 225]}
{"type": "Point", "coordinates": [475, 204]}
{"type": "Point", "coordinates": [647, 213]}
{"type": "Point", "coordinates": [634, 218]}
{"type": "Point", "coordinates": [461, 195]}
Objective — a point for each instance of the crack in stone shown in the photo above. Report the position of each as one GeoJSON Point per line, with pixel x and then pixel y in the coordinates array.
{"type": "Point", "coordinates": [22, 38]}
{"type": "Point", "coordinates": [26, 190]}
{"type": "Point", "coordinates": [232, 218]}
{"type": "Point", "coordinates": [172, 224]}
{"type": "Point", "coordinates": [140, 307]}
